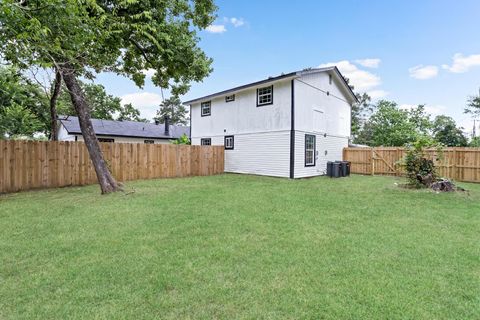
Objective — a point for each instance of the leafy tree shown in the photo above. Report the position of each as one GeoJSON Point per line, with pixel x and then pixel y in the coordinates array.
{"type": "Point", "coordinates": [388, 126]}
{"type": "Point", "coordinates": [101, 104]}
{"type": "Point", "coordinates": [420, 120]}
{"type": "Point", "coordinates": [473, 106]}
{"type": "Point", "coordinates": [174, 109]}
{"type": "Point", "coordinates": [475, 142]}
{"type": "Point", "coordinates": [81, 38]}
{"type": "Point", "coordinates": [360, 113]}
{"type": "Point", "coordinates": [129, 112]}
{"type": "Point", "coordinates": [446, 132]}
{"type": "Point", "coordinates": [18, 121]}
{"type": "Point", "coordinates": [20, 96]}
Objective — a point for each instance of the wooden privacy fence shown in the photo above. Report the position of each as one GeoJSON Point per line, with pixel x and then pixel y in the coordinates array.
{"type": "Point", "coordinates": [462, 164]}
{"type": "Point", "coordinates": [28, 165]}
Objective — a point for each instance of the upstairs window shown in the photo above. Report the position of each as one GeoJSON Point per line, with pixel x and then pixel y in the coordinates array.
{"type": "Point", "coordinates": [230, 98]}
{"type": "Point", "coordinates": [330, 80]}
{"type": "Point", "coordinates": [264, 96]}
{"type": "Point", "coordinates": [206, 108]}
{"type": "Point", "coordinates": [229, 142]}
{"type": "Point", "coordinates": [206, 141]}
{"type": "Point", "coordinates": [309, 150]}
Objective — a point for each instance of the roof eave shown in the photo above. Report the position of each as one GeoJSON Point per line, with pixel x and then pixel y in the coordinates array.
{"type": "Point", "coordinates": [283, 77]}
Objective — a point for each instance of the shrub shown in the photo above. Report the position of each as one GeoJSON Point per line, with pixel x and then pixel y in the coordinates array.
{"type": "Point", "coordinates": [182, 140]}
{"type": "Point", "coordinates": [420, 170]}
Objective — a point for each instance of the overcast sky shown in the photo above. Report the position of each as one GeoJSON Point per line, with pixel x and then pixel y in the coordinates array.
{"type": "Point", "coordinates": [412, 52]}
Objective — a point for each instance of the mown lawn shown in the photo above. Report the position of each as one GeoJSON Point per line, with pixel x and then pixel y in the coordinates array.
{"type": "Point", "coordinates": [241, 247]}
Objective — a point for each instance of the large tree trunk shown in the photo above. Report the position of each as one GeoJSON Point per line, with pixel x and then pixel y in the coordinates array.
{"type": "Point", "coordinates": [57, 87]}
{"type": "Point", "coordinates": [105, 178]}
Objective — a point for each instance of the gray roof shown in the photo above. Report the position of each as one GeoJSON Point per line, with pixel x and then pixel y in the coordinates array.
{"type": "Point", "coordinates": [125, 128]}
{"type": "Point", "coordinates": [334, 70]}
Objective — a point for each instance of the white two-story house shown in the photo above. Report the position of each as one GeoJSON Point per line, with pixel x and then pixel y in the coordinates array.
{"type": "Point", "coordinates": [285, 126]}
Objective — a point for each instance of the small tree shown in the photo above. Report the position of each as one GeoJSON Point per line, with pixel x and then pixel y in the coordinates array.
{"type": "Point", "coordinates": [419, 168]}
{"type": "Point", "coordinates": [174, 109]}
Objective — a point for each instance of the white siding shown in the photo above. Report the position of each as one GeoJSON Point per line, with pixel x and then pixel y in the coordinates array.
{"type": "Point", "coordinates": [257, 153]}
{"type": "Point", "coordinates": [332, 146]}
{"type": "Point", "coordinates": [318, 112]}
{"type": "Point", "coordinates": [243, 115]}
{"type": "Point", "coordinates": [262, 134]}
{"type": "Point", "coordinates": [63, 134]}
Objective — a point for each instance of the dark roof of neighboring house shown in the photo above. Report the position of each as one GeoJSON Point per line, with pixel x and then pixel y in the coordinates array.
{"type": "Point", "coordinates": [295, 74]}
{"type": "Point", "coordinates": [125, 128]}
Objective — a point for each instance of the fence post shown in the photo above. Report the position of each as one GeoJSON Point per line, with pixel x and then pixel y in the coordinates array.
{"type": "Point", "coordinates": [454, 165]}
{"type": "Point", "coordinates": [373, 162]}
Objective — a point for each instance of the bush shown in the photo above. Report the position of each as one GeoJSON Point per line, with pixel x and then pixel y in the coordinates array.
{"type": "Point", "coordinates": [420, 170]}
{"type": "Point", "coordinates": [182, 140]}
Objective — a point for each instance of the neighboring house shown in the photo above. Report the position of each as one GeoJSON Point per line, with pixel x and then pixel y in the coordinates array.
{"type": "Point", "coordinates": [121, 131]}
{"type": "Point", "coordinates": [285, 126]}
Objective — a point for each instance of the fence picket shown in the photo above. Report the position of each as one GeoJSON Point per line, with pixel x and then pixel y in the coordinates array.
{"type": "Point", "coordinates": [28, 165]}
{"type": "Point", "coordinates": [460, 164]}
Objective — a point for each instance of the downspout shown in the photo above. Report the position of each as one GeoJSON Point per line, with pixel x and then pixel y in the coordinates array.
{"type": "Point", "coordinates": [292, 133]}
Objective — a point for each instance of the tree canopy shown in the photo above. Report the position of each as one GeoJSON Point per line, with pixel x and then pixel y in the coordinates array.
{"type": "Point", "coordinates": [446, 132]}
{"type": "Point", "coordinates": [174, 110]}
{"type": "Point", "coordinates": [101, 104]}
{"type": "Point", "coordinates": [83, 38]}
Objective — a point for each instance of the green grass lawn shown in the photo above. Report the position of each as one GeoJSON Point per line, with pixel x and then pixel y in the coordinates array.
{"type": "Point", "coordinates": [241, 247]}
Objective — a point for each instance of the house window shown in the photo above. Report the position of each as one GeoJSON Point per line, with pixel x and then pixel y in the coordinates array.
{"type": "Point", "coordinates": [206, 108]}
{"type": "Point", "coordinates": [230, 98]}
{"type": "Point", "coordinates": [106, 140]}
{"type": "Point", "coordinates": [330, 79]}
{"type": "Point", "coordinates": [149, 141]}
{"type": "Point", "coordinates": [309, 150]}
{"type": "Point", "coordinates": [264, 96]}
{"type": "Point", "coordinates": [206, 142]}
{"type": "Point", "coordinates": [229, 142]}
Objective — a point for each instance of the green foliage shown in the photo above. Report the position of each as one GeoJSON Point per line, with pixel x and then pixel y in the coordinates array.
{"type": "Point", "coordinates": [446, 132]}
{"type": "Point", "coordinates": [130, 113]}
{"type": "Point", "coordinates": [17, 121]}
{"type": "Point", "coordinates": [125, 37]}
{"type": "Point", "coordinates": [102, 105]}
{"type": "Point", "coordinates": [475, 142]}
{"type": "Point", "coordinates": [174, 109]}
{"type": "Point", "coordinates": [473, 106]}
{"type": "Point", "coordinates": [392, 126]}
{"type": "Point", "coordinates": [21, 99]}
{"type": "Point", "coordinates": [417, 165]}
{"type": "Point", "coordinates": [182, 140]}
{"type": "Point", "coordinates": [360, 112]}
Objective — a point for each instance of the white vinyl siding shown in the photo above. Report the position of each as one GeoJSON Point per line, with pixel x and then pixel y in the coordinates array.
{"type": "Point", "coordinates": [327, 149]}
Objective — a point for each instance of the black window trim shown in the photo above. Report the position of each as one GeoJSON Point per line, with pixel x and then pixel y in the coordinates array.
{"type": "Point", "coordinates": [205, 139]}
{"type": "Point", "coordinates": [149, 141]}
{"type": "Point", "coordinates": [231, 95]}
{"type": "Point", "coordinates": [314, 150]}
{"type": "Point", "coordinates": [107, 140]}
{"type": "Point", "coordinates": [201, 109]}
{"type": "Point", "coordinates": [225, 142]}
{"type": "Point", "coordinates": [264, 104]}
